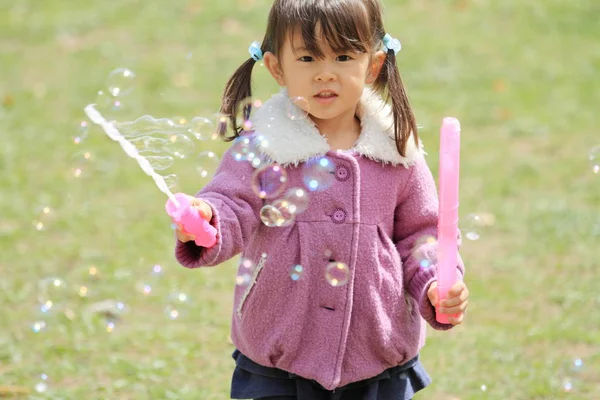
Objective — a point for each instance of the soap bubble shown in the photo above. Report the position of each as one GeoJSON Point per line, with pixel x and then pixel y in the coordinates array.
{"type": "Point", "coordinates": [146, 286]}
{"type": "Point", "coordinates": [171, 180]}
{"type": "Point", "coordinates": [298, 197]}
{"type": "Point", "coordinates": [147, 125]}
{"type": "Point", "coordinates": [120, 82]}
{"type": "Point", "coordinates": [206, 164]}
{"type": "Point", "coordinates": [244, 111]}
{"type": "Point", "coordinates": [81, 163]}
{"type": "Point", "coordinates": [269, 181]}
{"type": "Point", "coordinates": [180, 124]}
{"type": "Point", "coordinates": [44, 215]}
{"type": "Point", "coordinates": [337, 273]}
{"type": "Point", "coordinates": [110, 107]}
{"type": "Point", "coordinates": [248, 148]}
{"type": "Point", "coordinates": [473, 226]}
{"type": "Point", "coordinates": [287, 211]}
{"type": "Point", "coordinates": [177, 305]}
{"type": "Point", "coordinates": [296, 272]}
{"type": "Point", "coordinates": [39, 326]}
{"type": "Point", "coordinates": [160, 163]}
{"type": "Point", "coordinates": [179, 145]}
{"type": "Point", "coordinates": [271, 216]}
{"type": "Point", "coordinates": [202, 128]}
{"type": "Point", "coordinates": [222, 122]}
{"type": "Point", "coordinates": [424, 251]}
{"type": "Point", "coordinates": [145, 144]}
{"type": "Point", "coordinates": [52, 294]}
{"type": "Point", "coordinates": [245, 271]}
{"type": "Point", "coordinates": [256, 157]}
{"type": "Point", "coordinates": [594, 158]}
{"type": "Point", "coordinates": [297, 108]}
{"type": "Point", "coordinates": [102, 100]}
{"type": "Point", "coordinates": [241, 148]}
{"type": "Point", "coordinates": [109, 324]}
{"type": "Point", "coordinates": [82, 132]}
{"type": "Point", "coordinates": [318, 174]}
{"type": "Point", "coordinates": [570, 375]}
{"type": "Point", "coordinates": [42, 385]}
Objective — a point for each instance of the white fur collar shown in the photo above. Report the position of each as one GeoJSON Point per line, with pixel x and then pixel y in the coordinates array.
{"type": "Point", "coordinates": [295, 141]}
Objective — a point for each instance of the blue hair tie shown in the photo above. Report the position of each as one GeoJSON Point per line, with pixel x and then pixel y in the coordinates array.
{"type": "Point", "coordinates": [255, 51]}
{"type": "Point", "coordinates": [389, 43]}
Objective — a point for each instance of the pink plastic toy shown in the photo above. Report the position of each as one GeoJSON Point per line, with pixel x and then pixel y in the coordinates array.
{"type": "Point", "coordinates": [448, 222]}
{"type": "Point", "coordinates": [191, 221]}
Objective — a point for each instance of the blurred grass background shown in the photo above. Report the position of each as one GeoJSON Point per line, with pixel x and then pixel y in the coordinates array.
{"type": "Point", "coordinates": [521, 76]}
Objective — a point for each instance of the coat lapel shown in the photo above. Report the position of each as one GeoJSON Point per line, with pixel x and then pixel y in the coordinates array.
{"type": "Point", "coordinates": [293, 141]}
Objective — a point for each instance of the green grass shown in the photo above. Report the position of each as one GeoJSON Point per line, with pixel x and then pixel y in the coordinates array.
{"type": "Point", "coordinates": [521, 76]}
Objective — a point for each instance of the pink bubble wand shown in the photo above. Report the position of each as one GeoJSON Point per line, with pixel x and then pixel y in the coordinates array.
{"type": "Point", "coordinates": [448, 221]}
{"type": "Point", "coordinates": [178, 207]}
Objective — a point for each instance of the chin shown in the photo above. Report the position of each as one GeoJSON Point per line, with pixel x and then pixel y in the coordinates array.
{"type": "Point", "coordinates": [324, 114]}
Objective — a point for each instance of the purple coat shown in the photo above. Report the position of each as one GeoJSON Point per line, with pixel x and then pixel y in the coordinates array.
{"type": "Point", "coordinates": [379, 205]}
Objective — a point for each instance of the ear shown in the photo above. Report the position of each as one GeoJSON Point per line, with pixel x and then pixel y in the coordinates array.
{"type": "Point", "coordinates": [274, 67]}
{"type": "Point", "coordinates": [375, 67]}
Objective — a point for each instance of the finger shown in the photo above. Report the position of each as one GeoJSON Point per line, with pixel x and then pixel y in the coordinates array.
{"type": "Point", "coordinates": [203, 208]}
{"type": "Point", "coordinates": [454, 301]}
{"type": "Point", "coordinates": [456, 320]}
{"type": "Point", "coordinates": [456, 289]}
{"type": "Point", "coordinates": [454, 310]}
{"type": "Point", "coordinates": [432, 294]}
{"type": "Point", "coordinates": [184, 236]}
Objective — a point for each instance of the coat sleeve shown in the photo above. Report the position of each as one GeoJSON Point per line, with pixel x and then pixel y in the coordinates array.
{"type": "Point", "coordinates": [236, 214]}
{"type": "Point", "coordinates": [415, 220]}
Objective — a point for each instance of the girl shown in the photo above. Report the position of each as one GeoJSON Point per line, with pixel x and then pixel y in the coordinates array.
{"type": "Point", "coordinates": [356, 335]}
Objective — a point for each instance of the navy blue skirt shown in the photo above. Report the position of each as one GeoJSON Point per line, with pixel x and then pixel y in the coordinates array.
{"type": "Point", "coordinates": [254, 381]}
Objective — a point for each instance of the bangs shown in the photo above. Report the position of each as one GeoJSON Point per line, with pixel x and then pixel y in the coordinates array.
{"type": "Point", "coordinates": [337, 25]}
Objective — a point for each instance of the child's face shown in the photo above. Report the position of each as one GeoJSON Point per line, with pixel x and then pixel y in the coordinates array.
{"type": "Point", "coordinates": [332, 86]}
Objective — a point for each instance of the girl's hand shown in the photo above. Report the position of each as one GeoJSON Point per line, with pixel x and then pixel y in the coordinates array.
{"type": "Point", "coordinates": [205, 212]}
{"type": "Point", "coordinates": [455, 304]}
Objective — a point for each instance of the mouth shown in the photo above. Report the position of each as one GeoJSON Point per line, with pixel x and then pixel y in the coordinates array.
{"type": "Point", "coordinates": [326, 94]}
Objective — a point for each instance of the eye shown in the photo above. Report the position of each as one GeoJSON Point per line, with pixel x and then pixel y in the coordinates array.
{"type": "Point", "coordinates": [344, 58]}
{"type": "Point", "coordinates": [305, 59]}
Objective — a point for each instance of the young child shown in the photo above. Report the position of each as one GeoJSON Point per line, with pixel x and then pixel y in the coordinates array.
{"type": "Point", "coordinates": [310, 338]}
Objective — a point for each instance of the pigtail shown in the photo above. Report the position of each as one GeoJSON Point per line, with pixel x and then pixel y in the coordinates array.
{"type": "Point", "coordinates": [404, 119]}
{"type": "Point", "coordinates": [238, 89]}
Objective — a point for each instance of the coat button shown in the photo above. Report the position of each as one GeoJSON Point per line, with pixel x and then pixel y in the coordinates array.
{"type": "Point", "coordinates": [338, 216]}
{"type": "Point", "coordinates": [342, 173]}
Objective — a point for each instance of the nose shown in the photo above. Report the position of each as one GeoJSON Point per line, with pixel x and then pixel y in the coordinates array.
{"type": "Point", "coordinates": [325, 73]}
